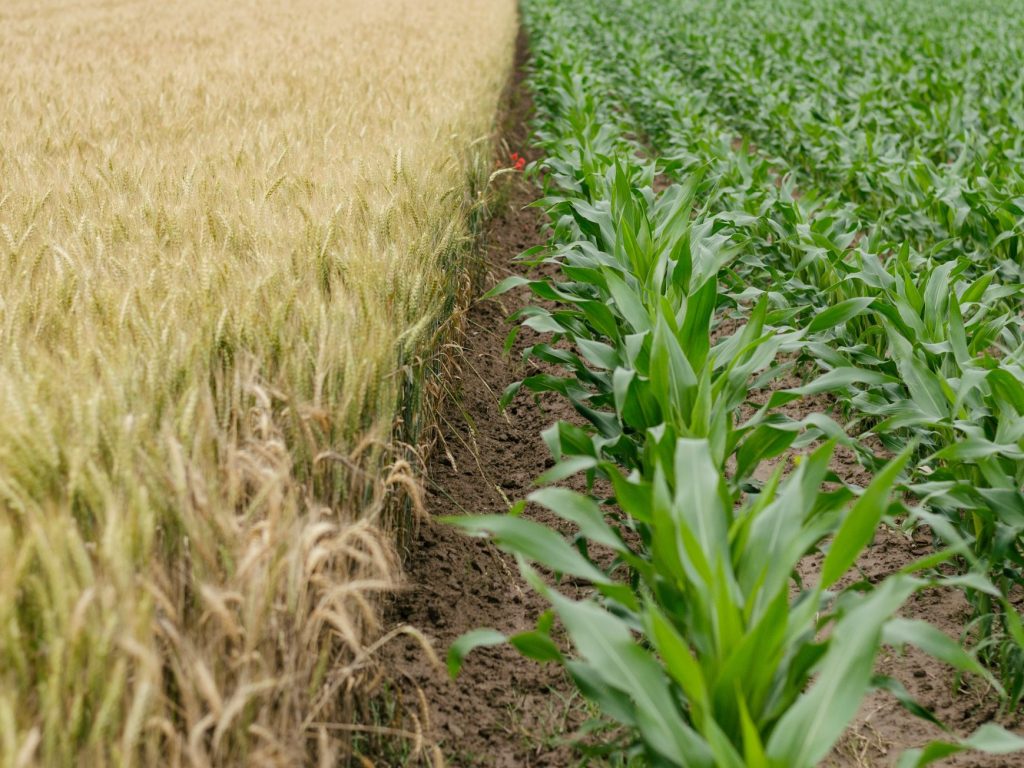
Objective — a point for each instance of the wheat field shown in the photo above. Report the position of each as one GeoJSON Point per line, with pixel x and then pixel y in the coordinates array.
{"type": "Point", "coordinates": [231, 235]}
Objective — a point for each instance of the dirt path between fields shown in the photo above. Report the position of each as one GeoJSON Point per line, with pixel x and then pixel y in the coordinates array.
{"type": "Point", "coordinates": [506, 712]}
{"type": "Point", "coordinates": [503, 712]}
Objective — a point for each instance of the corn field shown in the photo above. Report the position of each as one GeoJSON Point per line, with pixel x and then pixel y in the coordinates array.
{"type": "Point", "coordinates": [739, 193]}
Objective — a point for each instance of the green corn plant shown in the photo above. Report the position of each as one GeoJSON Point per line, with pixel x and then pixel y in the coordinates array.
{"type": "Point", "coordinates": [975, 481]}
{"type": "Point", "coordinates": [701, 646]}
{"type": "Point", "coordinates": [947, 345]}
{"type": "Point", "coordinates": [639, 312]}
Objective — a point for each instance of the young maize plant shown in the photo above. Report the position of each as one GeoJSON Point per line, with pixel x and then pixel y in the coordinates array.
{"type": "Point", "coordinates": [695, 635]}
{"type": "Point", "coordinates": [962, 406]}
{"type": "Point", "coordinates": [722, 677]}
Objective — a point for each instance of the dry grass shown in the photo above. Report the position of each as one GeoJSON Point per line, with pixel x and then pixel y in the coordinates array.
{"type": "Point", "coordinates": [229, 234]}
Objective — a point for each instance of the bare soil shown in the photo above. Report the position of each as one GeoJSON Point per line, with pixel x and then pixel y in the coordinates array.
{"type": "Point", "coordinates": [505, 712]}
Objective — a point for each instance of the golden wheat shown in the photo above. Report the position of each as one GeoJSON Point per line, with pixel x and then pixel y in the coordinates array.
{"type": "Point", "coordinates": [229, 233]}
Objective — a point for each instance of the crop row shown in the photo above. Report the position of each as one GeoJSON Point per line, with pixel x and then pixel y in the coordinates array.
{"type": "Point", "coordinates": [687, 289]}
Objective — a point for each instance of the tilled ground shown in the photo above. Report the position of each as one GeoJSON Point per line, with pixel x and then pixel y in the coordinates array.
{"type": "Point", "coordinates": [504, 711]}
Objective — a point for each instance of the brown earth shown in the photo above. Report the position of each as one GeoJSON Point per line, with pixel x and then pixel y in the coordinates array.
{"type": "Point", "coordinates": [506, 712]}
{"type": "Point", "coordinates": [503, 711]}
